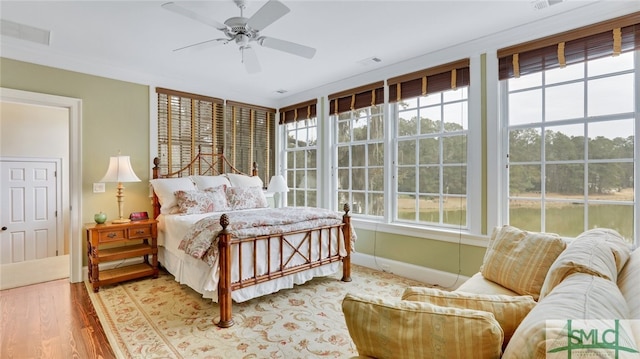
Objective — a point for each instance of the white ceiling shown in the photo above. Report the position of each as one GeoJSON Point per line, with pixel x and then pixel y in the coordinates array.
{"type": "Point", "coordinates": [134, 40]}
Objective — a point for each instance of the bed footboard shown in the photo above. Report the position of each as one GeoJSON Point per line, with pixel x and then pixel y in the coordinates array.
{"type": "Point", "coordinates": [226, 243]}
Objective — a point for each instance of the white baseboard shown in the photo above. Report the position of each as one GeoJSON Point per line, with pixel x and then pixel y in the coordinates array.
{"type": "Point", "coordinates": [35, 271]}
{"type": "Point", "coordinates": [426, 275]}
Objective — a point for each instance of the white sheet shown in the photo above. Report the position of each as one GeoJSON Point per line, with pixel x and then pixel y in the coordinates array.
{"type": "Point", "coordinates": [199, 276]}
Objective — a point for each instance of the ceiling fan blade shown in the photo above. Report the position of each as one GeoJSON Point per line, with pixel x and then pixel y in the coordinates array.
{"type": "Point", "coordinates": [287, 46]}
{"type": "Point", "coordinates": [250, 59]}
{"type": "Point", "coordinates": [204, 44]}
{"type": "Point", "coordinates": [175, 8]}
{"type": "Point", "coordinates": [267, 14]}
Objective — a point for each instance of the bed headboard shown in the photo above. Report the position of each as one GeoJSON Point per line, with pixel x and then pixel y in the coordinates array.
{"type": "Point", "coordinates": [204, 164]}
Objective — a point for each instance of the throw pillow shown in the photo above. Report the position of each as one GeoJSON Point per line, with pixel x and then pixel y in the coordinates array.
{"type": "Point", "coordinates": [508, 310]}
{"type": "Point", "coordinates": [382, 328]}
{"type": "Point", "coordinates": [211, 199]}
{"type": "Point", "coordinates": [600, 252]}
{"type": "Point", "coordinates": [519, 260]}
{"type": "Point", "coordinates": [246, 198]}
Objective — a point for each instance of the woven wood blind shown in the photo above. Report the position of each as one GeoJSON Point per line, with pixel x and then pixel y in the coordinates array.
{"type": "Point", "coordinates": [599, 40]}
{"type": "Point", "coordinates": [357, 98]}
{"type": "Point", "coordinates": [187, 123]}
{"type": "Point", "coordinates": [249, 138]}
{"type": "Point", "coordinates": [435, 79]}
{"type": "Point", "coordinates": [301, 111]}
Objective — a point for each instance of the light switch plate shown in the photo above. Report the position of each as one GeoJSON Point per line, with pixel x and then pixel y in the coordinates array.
{"type": "Point", "coordinates": [98, 188]}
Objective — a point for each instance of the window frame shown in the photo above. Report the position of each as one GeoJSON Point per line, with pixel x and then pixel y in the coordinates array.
{"type": "Point", "coordinates": [586, 120]}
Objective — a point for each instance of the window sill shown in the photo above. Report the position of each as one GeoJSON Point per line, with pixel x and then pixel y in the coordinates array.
{"type": "Point", "coordinates": [445, 235]}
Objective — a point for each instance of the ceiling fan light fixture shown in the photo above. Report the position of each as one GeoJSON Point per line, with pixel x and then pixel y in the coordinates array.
{"type": "Point", "coordinates": [244, 31]}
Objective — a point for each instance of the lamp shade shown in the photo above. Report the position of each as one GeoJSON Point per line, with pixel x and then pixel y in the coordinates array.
{"type": "Point", "coordinates": [120, 170]}
{"type": "Point", "coordinates": [277, 184]}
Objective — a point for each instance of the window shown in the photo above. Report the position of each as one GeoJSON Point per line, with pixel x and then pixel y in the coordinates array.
{"type": "Point", "coordinates": [187, 123]}
{"type": "Point", "coordinates": [190, 123]}
{"type": "Point", "coordinates": [431, 116]}
{"type": "Point", "coordinates": [570, 119]}
{"type": "Point", "coordinates": [249, 138]}
{"type": "Point", "coordinates": [301, 148]}
{"type": "Point", "coordinates": [359, 149]}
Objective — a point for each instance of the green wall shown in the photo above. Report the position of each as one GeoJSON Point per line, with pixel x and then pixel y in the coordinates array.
{"type": "Point", "coordinates": [115, 117]}
{"type": "Point", "coordinates": [435, 254]}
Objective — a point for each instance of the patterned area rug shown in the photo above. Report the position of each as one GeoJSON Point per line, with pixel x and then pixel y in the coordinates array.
{"type": "Point", "coordinates": [159, 318]}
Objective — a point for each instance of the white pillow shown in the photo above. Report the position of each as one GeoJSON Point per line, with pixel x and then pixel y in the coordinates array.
{"type": "Point", "coordinates": [165, 189]}
{"type": "Point", "coordinates": [238, 180]}
{"type": "Point", "coordinates": [204, 182]}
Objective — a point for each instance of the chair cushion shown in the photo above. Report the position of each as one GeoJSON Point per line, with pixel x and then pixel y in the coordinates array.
{"type": "Point", "coordinates": [508, 310]}
{"type": "Point", "coordinates": [481, 285]}
{"type": "Point", "coordinates": [383, 328]}
{"type": "Point", "coordinates": [600, 252]}
{"type": "Point", "coordinates": [519, 260]}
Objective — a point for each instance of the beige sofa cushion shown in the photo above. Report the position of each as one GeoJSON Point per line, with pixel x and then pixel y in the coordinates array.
{"type": "Point", "coordinates": [382, 328]}
{"type": "Point", "coordinates": [599, 252]}
{"type": "Point", "coordinates": [629, 284]}
{"type": "Point", "coordinates": [519, 260]}
{"type": "Point", "coordinates": [508, 310]}
{"type": "Point", "coordinates": [481, 285]}
{"type": "Point", "coordinates": [579, 296]}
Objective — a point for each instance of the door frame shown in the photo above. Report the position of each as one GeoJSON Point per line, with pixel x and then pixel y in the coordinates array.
{"type": "Point", "coordinates": [74, 106]}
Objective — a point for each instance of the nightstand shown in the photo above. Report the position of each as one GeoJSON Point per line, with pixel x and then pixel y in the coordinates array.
{"type": "Point", "coordinates": [112, 242]}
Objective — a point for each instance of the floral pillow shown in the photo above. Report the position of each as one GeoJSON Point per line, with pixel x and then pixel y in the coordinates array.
{"type": "Point", "coordinates": [195, 202]}
{"type": "Point", "coordinates": [246, 198]}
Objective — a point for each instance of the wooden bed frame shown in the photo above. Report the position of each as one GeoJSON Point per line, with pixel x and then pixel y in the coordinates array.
{"type": "Point", "coordinates": [216, 164]}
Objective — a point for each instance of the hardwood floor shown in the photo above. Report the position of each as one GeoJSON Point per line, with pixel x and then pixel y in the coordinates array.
{"type": "Point", "coordinates": [50, 320]}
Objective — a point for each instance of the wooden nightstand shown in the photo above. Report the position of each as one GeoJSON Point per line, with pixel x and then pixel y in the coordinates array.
{"type": "Point", "coordinates": [136, 239]}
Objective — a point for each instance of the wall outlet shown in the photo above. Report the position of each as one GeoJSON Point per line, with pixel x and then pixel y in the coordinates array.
{"type": "Point", "coordinates": [98, 188]}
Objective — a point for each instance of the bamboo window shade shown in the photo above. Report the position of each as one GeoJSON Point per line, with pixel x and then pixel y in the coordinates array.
{"type": "Point", "coordinates": [357, 98]}
{"type": "Point", "coordinates": [436, 79]}
{"type": "Point", "coordinates": [607, 38]}
{"type": "Point", "coordinates": [249, 137]}
{"type": "Point", "coordinates": [298, 112]}
{"type": "Point", "coordinates": [190, 123]}
{"type": "Point", "coordinates": [187, 123]}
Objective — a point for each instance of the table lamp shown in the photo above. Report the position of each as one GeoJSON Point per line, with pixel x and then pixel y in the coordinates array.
{"type": "Point", "coordinates": [119, 171]}
{"type": "Point", "coordinates": [278, 185]}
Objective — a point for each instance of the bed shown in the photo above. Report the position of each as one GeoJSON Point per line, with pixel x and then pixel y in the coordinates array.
{"type": "Point", "coordinates": [242, 250]}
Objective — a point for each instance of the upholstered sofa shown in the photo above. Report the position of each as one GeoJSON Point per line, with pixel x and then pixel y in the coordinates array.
{"type": "Point", "coordinates": [532, 290]}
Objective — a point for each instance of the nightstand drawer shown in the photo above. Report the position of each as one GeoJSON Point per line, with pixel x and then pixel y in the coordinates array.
{"type": "Point", "coordinates": [140, 232]}
{"type": "Point", "coordinates": [112, 235]}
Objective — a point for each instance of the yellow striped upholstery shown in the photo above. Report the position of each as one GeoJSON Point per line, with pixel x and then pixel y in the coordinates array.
{"type": "Point", "coordinates": [508, 310]}
{"type": "Point", "coordinates": [519, 260]}
{"type": "Point", "coordinates": [579, 296]}
{"type": "Point", "coordinates": [599, 252]}
{"type": "Point", "coordinates": [629, 284]}
{"type": "Point", "coordinates": [382, 328]}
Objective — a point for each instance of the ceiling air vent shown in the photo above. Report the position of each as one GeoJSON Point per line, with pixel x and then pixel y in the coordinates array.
{"type": "Point", "coordinates": [543, 4]}
{"type": "Point", "coordinates": [24, 32]}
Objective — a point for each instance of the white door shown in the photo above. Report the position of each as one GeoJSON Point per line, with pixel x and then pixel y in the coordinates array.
{"type": "Point", "coordinates": [29, 200]}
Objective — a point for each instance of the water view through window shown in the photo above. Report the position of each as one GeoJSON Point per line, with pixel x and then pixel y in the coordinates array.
{"type": "Point", "coordinates": [571, 147]}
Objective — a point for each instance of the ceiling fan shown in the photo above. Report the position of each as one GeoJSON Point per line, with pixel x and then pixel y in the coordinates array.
{"type": "Point", "coordinates": [246, 31]}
